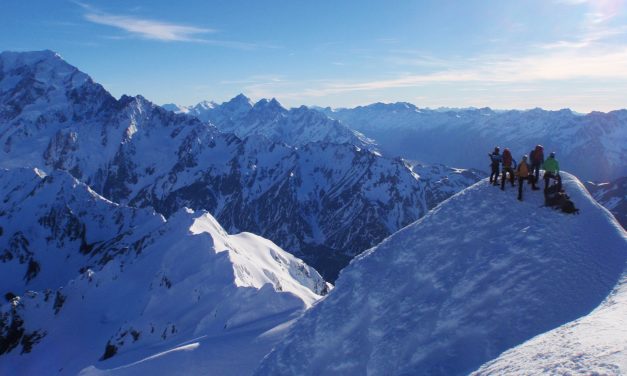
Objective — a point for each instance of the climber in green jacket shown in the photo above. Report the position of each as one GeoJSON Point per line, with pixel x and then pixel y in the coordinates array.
{"type": "Point", "coordinates": [551, 170]}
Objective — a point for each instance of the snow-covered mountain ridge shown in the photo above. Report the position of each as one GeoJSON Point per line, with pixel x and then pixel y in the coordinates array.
{"type": "Point", "coordinates": [267, 118]}
{"type": "Point", "coordinates": [460, 286]}
{"type": "Point", "coordinates": [324, 202]}
{"type": "Point", "coordinates": [592, 146]}
{"type": "Point", "coordinates": [94, 285]}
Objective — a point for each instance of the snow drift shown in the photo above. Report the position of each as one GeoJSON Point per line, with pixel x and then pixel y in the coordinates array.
{"type": "Point", "coordinates": [481, 273]}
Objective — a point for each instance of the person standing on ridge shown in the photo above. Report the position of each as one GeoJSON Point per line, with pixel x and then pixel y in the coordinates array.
{"type": "Point", "coordinates": [496, 159]}
{"type": "Point", "coordinates": [551, 170]}
{"type": "Point", "coordinates": [523, 174]}
{"type": "Point", "coordinates": [536, 159]}
{"type": "Point", "coordinates": [508, 166]}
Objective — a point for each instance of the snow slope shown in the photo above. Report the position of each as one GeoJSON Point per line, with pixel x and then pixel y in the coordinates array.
{"type": "Point", "coordinates": [121, 290]}
{"type": "Point", "coordinates": [595, 344]}
{"type": "Point", "coordinates": [479, 274]}
{"type": "Point", "coordinates": [592, 146]}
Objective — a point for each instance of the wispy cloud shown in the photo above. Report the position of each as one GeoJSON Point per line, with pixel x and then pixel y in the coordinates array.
{"type": "Point", "coordinates": [150, 29]}
{"type": "Point", "coordinates": [573, 2]}
{"type": "Point", "coordinates": [588, 56]}
{"type": "Point", "coordinates": [144, 28]}
{"type": "Point", "coordinates": [558, 66]}
{"type": "Point", "coordinates": [494, 75]}
{"type": "Point", "coordinates": [597, 26]}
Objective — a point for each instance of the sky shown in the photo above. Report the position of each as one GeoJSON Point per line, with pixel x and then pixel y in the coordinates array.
{"type": "Point", "coordinates": [507, 54]}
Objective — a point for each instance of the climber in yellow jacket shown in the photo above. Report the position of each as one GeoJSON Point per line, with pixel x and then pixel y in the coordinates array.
{"type": "Point", "coordinates": [522, 171]}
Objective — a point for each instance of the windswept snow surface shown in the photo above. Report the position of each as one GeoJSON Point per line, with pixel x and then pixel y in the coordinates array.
{"type": "Point", "coordinates": [596, 344]}
{"type": "Point", "coordinates": [479, 274]}
{"type": "Point", "coordinates": [103, 287]}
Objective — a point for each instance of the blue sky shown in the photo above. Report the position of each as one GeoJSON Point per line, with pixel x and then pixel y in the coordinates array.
{"type": "Point", "coordinates": [502, 54]}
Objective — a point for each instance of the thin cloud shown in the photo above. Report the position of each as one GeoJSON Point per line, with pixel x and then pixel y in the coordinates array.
{"type": "Point", "coordinates": [150, 29]}
{"type": "Point", "coordinates": [566, 65]}
{"type": "Point", "coordinates": [573, 2]}
{"type": "Point", "coordinates": [162, 31]}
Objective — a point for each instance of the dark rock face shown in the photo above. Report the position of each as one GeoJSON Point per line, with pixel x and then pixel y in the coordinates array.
{"type": "Point", "coordinates": [612, 195]}
{"type": "Point", "coordinates": [13, 333]}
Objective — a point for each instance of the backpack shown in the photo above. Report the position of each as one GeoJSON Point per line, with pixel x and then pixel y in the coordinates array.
{"type": "Point", "coordinates": [538, 155]}
{"type": "Point", "coordinates": [507, 158]}
{"type": "Point", "coordinates": [568, 206]}
{"type": "Point", "coordinates": [523, 169]}
{"type": "Point", "coordinates": [558, 199]}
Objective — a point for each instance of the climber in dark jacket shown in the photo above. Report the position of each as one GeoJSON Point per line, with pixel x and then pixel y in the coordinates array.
{"type": "Point", "coordinates": [495, 159]}
{"type": "Point", "coordinates": [536, 159]}
{"type": "Point", "coordinates": [508, 166]}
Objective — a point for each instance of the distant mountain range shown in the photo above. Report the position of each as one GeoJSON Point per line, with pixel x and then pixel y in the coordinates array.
{"type": "Point", "coordinates": [267, 118]}
{"type": "Point", "coordinates": [592, 146]}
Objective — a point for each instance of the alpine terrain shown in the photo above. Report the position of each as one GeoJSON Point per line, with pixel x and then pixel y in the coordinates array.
{"type": "Point", "coordinates": [93, 286]}
{"type": "Point", "coordinates": [296, 126]}
{"type": "Point", "coordinates": [322, 201]}
{"type": "Point", "coordinates": [463, 284]}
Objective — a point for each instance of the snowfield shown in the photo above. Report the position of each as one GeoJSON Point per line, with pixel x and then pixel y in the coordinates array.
{"type": "Point", "coordinates": [480, 274]}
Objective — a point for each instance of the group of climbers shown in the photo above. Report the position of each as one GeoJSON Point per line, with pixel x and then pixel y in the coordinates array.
{"type": "Point", "coordinates": [527, 170]}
